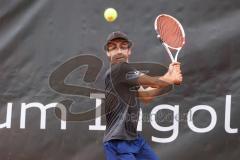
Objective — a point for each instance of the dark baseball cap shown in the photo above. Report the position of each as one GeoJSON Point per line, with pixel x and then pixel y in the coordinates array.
{"type": "Point", "coordinates": [117, 35]}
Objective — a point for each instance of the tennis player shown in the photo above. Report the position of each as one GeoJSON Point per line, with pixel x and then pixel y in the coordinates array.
{"type": "Point", "coordinates": [121, 140]}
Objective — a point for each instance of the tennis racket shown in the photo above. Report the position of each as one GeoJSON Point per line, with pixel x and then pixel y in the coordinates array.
{"type": "Point", "coordinates": [170, 33]}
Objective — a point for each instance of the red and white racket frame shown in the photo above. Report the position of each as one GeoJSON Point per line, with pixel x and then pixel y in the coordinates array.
{"type": "Point", "coordinates": [166, 46]}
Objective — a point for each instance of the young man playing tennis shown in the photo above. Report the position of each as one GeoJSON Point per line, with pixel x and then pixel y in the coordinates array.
{"type": "Point", "coordinates": [121, 140]}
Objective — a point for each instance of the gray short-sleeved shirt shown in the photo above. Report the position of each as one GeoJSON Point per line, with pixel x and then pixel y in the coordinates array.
{"type": "Point", "coordinates": [121, 105]}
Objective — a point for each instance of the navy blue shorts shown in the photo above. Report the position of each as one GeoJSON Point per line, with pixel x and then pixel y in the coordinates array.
{"type": "Point", "coordinates": [129, 150]}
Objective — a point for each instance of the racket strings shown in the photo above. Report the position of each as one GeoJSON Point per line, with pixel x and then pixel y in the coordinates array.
{"type": "Point", "coordinates": [176, 32]}
{"type": "Point", "coordinates": [170, 32]}
{"type": "Point", "coordinates": [178, 39]}
{"type": "Point", "coordinates": [162, 30]}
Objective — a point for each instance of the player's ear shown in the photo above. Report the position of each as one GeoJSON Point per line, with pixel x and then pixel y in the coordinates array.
{"type": "Point", "coordinates": [108, 54]}
{"type": "Point", "coordinates": [130, 51]}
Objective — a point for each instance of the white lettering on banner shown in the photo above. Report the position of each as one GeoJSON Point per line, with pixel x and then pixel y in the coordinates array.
{"type": "Point", "coordinates": [206, 129]}
{"type": "Point", "coordinates": [175, 119]}
{"type": "Point", "coordinates": [156, 126]}
{"type": "Point", "coordinates": [7, 124]}
{"type": "Point", "coordinates": [139, 126]}
{"type": "Point", "coordinates": [98, 126]}
{"type": "Point", "coordinates": [227, 127]}
{"type": "Point", "coordinates": [175, 126]}
{"type": "Point", "coordinates": [43, 113]}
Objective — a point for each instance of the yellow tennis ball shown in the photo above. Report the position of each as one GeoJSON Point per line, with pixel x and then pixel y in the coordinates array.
{"type": "Point", "coordinates": [110, 14]}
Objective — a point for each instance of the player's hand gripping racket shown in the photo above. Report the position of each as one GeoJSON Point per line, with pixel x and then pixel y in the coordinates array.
{"type": "Point", "coordinates": [171, 34]}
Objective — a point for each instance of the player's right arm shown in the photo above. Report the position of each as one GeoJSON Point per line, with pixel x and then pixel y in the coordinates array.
{"type": "Point", "coordinates": [153, 86]}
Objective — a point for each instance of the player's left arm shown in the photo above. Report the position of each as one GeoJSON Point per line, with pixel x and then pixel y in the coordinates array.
{"type": "Point", "coordinates": [147, 95]}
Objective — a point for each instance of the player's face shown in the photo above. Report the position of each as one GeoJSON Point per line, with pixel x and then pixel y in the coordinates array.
{"type": "Point", "coordinates": [118, 51]}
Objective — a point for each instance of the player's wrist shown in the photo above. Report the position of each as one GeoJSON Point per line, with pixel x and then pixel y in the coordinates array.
{"type": "Point", "coordinates": [167, 78]}
{"type": "Point", "coordinates": [172, 78]}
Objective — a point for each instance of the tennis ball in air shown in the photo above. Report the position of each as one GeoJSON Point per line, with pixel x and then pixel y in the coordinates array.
{"type": "Point", "coordinates": [110, 14]}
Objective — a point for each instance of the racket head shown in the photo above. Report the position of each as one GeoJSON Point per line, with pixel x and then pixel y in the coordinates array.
{"type": "Point", "coordinates": [170, 31]}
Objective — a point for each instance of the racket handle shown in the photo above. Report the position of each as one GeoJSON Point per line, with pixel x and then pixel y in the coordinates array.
{"type": "Point", "coordinates": [176, 55]}
{"type": "Point", "coordinates": [169, 52]}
